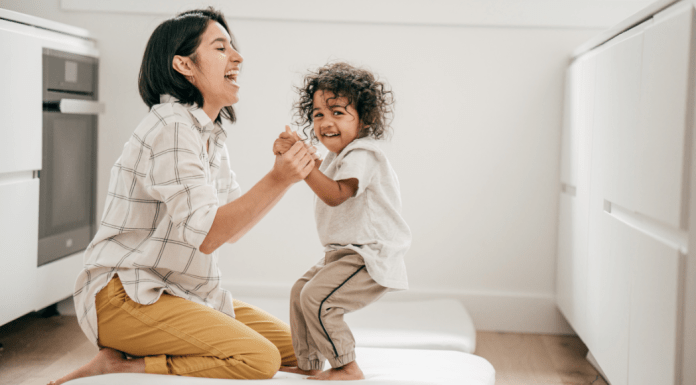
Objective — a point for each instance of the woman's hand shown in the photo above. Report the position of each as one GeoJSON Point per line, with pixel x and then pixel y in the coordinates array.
{"type": "Point", "coordinates": [294, 165]}
{"type": "Point", "coordinates": [287, 139]}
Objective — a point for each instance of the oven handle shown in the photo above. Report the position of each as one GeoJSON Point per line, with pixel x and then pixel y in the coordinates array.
{"type": "Point", "coordinates": [77, 106]}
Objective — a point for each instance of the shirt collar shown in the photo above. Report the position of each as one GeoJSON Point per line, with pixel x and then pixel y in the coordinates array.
{"type": "Point", "coordinates": [205, 124]}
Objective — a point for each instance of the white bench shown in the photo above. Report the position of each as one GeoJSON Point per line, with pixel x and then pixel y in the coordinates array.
{"type": "Point", "coordinates": [398, 342]}
{"type": "Point", "coordinates": [381, 366]}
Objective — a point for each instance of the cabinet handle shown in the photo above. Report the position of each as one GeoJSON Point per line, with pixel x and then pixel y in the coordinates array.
{"type": "Point", "coordinates": [75, 106]}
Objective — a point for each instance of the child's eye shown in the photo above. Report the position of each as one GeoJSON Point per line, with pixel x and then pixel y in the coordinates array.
{"type": "Point", "coordinates": [319, 115]}
{"type": "Point", "coordinates": [336, 112]}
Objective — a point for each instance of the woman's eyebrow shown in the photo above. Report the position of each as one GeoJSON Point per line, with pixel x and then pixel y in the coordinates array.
{"type": "Point", "coordinates": [220, 39]}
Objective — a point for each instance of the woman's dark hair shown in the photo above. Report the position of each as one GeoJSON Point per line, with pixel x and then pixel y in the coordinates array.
{"type": "Point", "coordinates": [369, 97]}
{"type": "Point", "coordinates": [181, 36]}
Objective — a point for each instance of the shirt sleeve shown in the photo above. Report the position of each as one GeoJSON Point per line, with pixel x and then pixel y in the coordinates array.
{"type": "Point", "coordinates": [177, 178]}
{"type": "Point", "coordinates": [359, 164]}
{"type": "Point", "coordinates": [230, 185]}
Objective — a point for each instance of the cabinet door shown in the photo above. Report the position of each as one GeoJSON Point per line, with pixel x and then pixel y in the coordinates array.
{"type": "Point", "coordinates": [616, 114]}
{"type": "Point", "coordinates": [571, 285]}
{"type": "Point", "coordinates": [20, 102]}
{"type": "Point", "coordinates": [19, 217]}
{"type": "Point", "coordinates": [654, 307]}
{"type": "Point", "coordinates": [616, 98]}
{"type": "Point", "coordinates": [666, 83]}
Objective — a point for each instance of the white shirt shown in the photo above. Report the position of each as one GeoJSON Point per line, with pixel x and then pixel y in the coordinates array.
{"type": "Point", "coordinates": [370, 222]}
{"type": "Point", "coordinates": [163, 195]}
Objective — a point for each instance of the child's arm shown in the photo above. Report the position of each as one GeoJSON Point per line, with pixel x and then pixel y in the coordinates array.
{"type": "Point", "coordinates": [330, 191]}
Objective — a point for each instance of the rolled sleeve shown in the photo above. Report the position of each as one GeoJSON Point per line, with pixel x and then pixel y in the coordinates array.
{"type": "Point", "coordinates": [359, 164]}
{"type": "Point", "coordinates": [178, 178]}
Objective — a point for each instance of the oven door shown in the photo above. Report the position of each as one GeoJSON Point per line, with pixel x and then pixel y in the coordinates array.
{"type": "Point", "coordinates": [67, 179]}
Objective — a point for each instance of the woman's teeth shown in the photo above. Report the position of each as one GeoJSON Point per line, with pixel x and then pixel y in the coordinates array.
{"type": "Point", "coordinates": [232, 75]}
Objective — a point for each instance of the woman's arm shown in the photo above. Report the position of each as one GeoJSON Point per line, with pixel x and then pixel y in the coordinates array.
{"type": "Point", "coordinates": [256, 220]}
{"type": "Point", "coordinates": [237, 217]}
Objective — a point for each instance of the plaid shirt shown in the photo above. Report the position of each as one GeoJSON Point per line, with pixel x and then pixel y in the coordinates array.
{"type": "Point", "coordinates": [163, 195]}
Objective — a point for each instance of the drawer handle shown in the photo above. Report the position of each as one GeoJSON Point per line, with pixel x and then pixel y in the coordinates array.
{"type": "Point", "coordinates": [76, 106]}
{"type": "Point", "coordinates": [676, 238]}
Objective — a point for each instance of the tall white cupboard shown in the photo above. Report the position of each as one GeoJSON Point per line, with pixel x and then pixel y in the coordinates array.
{"type": "Point", "coordinates": [626, 277]}
{"type": "Point", "coordinates": [25, 286]}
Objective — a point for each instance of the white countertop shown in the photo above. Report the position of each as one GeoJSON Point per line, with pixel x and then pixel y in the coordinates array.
{"type": "Point", "coordinates": [45, 24]}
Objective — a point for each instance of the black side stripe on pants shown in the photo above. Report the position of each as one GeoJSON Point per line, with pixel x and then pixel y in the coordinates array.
{"type": "Point", "coordinates": [321, 306]}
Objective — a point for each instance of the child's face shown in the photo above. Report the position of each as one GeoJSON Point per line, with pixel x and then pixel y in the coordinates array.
{"type": "Point", "coordinates": [336, 123]}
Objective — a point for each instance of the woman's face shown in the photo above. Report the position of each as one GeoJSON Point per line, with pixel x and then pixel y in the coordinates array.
{"type": "Point", "coordinates": [216, 68]}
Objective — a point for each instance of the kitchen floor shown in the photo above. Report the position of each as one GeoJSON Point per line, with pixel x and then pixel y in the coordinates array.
{"type": "Point", "coordinates": [39, 347]}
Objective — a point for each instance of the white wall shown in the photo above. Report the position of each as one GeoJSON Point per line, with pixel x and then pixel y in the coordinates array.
{"type": "Point", "coordinates": [476, 146]}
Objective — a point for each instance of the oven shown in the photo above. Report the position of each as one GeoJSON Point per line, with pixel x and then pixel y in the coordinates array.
{"type": "Point", "coordinates": [69, 154]}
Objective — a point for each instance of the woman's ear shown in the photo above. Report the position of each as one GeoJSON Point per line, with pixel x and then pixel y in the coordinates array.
{"type": "Point", "coordinates": [184, 66]}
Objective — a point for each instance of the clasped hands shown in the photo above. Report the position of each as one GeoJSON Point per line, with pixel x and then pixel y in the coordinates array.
{"type": "Point", "coordinates": [295, 158]}
{"type": "Point", "coordinates": [285, 141]}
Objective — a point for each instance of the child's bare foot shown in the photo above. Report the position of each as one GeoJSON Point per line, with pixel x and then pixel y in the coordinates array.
{"type": "Point", "coordinates": [106, 361]}
{"type": "Point", "coordinates": [295, 369]}
{"type": "Point", "coordinates": [350, 371]}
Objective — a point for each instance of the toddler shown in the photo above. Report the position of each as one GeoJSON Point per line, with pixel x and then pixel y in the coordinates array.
{"type": "Point", "coordinates": [357, 216]}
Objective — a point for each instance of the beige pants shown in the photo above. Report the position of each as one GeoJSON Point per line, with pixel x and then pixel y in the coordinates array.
{"type": "Point", "coordinates": [337, 286]}
{"type": "Point", "coordinates": [180, 337]}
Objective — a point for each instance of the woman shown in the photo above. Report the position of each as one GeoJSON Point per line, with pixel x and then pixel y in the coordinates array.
{"type": "Point", "coordinates": [150, 287]}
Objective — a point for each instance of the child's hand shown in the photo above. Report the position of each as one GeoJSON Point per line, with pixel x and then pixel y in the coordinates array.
{"type": "Point", "coordinates": [285, 141]}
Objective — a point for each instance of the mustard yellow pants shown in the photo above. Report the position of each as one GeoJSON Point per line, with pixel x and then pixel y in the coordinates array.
{"type": "Point", "coordinates": [180, 337]}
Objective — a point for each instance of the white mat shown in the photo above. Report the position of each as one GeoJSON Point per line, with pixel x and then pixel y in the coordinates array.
{"type": "Point", "coordinates": [380, 366]}
{"type": "Point", "coordinates": [442, 324]}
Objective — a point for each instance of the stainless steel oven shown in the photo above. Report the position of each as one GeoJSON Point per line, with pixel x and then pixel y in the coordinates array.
{"type": "Point", "coordinates": [69, 154]}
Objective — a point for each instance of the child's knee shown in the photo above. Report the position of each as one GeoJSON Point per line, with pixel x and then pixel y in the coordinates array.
{"type": "Point", "coordinates": [297, 289]}
{"type": "Point", "coordinates": [309, 300]}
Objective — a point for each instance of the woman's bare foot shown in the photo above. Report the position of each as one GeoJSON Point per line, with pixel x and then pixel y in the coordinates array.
{"type": "Point", "coordinates": [295, 369]}
{"type": "Point", "coordinates": [350, 371]}
{"type": "Point", "coordinates": [106, 361]}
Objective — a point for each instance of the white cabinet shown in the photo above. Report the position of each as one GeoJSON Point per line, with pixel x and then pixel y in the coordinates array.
{"type": "Point", "coordinates": [25, 287]}
{"type": "Point", "coordinates": [574, 201]}
{"type": "Point", "coordinates": [20, 102]}
{"type": "Point", "coordinates": [660, 134]}
{"type": "Point", "coordinates": [626, 276]}
{"type": "Point", "coordinates": [19, 205]}
{"type": "Point", "coordinates": [654, 317]}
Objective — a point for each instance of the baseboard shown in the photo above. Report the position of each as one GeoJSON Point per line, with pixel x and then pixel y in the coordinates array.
{"type": "Point", "coordinates": [490, 311]}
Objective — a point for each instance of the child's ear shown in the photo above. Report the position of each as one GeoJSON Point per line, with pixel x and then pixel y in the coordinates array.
{"type": "Point", "coordinates": [183, 65]}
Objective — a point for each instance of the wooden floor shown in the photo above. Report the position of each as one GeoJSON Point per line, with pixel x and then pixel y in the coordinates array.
{"type": "Point", "coordinates": [36, 349]}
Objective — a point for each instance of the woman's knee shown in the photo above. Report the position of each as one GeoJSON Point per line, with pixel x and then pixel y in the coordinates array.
{"type": "Point", "coordinates": [258, 363]}
{"type": "Point", "coordinates": [271, 367]}
{"type": "Point", "coordinates": [267, 364]}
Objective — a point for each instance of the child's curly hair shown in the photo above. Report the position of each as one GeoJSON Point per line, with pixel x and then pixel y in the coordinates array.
{"type": "Point", "coordinates": [370, 97]}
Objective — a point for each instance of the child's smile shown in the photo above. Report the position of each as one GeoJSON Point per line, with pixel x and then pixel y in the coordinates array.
{"type": "Point", "coordinates": [336, 123]}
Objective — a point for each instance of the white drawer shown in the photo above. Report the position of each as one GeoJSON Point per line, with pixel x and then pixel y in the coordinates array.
{"type": "Point", "coordinates": [19, 234]}
{"type": "Point", "coordinates": [659, 138]}
{"type": "Point", "coordinates": [20, 102]}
